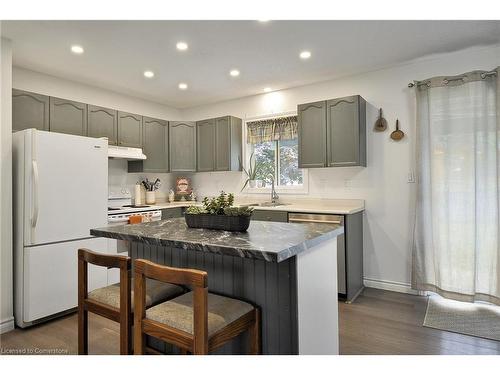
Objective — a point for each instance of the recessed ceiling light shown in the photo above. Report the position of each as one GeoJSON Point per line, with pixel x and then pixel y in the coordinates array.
{"type": "Point", "coordinates": [234, 73]}
{"type": "Point", "coordinates": [305, 54]}
{"type": "Point", "coordinates": [268, 89]}
{"type": "Point", "coordinates": [77, 49]}
{"type": "Point", "coordinates": [183, 86]}
{"type": "Point", "coordinates": [149, 74]}
{"type": "Point", "coordinates": [182, 46]}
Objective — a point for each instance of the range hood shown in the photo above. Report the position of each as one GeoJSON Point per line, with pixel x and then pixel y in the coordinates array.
{"type": "Point", "coordinates": [128, 153]}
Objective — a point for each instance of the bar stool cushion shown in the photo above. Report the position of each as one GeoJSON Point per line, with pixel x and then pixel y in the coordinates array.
{"type": "Point", "coordinates": [156, 292]}
{"type": "Point", "coordinates": [178, 312]}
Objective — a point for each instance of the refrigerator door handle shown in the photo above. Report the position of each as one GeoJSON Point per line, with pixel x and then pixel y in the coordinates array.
{"type": "Point", "coordinates": [34, 217]}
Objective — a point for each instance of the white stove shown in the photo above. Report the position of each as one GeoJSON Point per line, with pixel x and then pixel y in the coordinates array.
{"type": "Point", "coordinates": [120, 207]}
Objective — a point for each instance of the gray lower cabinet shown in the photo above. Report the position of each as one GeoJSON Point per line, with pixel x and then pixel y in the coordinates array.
{"type": "Point", "coordinates": [129, 130]}
{"type": "Point", "coordinates": [346, 119]}
{"type": "Point", "coordinates": [264, 215]}
{"type": "Point", "coordinates": [182, 146]}
{"type": "Point", "coordinates": [67, 116]}
{"type": "Point", "coordinates": [205, 145]}
{"type": "Point", "coordinates": [332, 133]}
{"type": "Point", "coordinates": [102, 122]}
{"type": "Point", "coordinates": [168, 213]}
{"type": "Point", "coordinates": [155, 147]}
{"type": "Point", "coordinates": [29, 110]}
{"type": "Point", "coordinates": [228, 143]}
{"type": "Point", "coordinates": [312, 134]}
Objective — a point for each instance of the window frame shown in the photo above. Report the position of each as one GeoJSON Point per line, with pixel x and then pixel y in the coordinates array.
{"type": "Point", "coordinates": [247, 151]}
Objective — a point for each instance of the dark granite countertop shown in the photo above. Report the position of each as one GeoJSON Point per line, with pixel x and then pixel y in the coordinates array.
{"type": "Point", "coordinates": [270, 241]}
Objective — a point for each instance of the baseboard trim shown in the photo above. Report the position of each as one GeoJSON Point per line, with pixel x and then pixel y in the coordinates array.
{"type": "Point", "coordinates": [393, 286]}
{"type": "Point", "coordinates": [7, 325]}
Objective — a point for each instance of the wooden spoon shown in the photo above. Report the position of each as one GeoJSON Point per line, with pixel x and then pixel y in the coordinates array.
{"type": "Point", "coordinates": [397, 134]}
{"type": "Point", "coordinates": [381, 123]}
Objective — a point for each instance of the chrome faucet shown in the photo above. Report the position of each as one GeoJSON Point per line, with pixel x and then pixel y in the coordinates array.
{"type": "Point", "coordinates": [274, 195]}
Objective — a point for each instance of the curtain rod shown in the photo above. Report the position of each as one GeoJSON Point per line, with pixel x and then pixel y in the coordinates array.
{"type": "Point", "coordinates": [483, 76]}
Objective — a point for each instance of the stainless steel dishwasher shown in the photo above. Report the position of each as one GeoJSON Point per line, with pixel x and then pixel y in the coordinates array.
{"type": "Point", "coordinates": [341, 255]}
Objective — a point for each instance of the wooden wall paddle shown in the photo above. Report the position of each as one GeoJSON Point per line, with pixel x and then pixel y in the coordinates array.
{"type": "Point", "coordinates": [381, 123]}
{"type": "Point", "coordinates": [397, 134]}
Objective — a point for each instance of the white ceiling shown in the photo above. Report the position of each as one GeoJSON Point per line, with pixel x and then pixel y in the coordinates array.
{"type": "Point", "coordinates": [118, 52]}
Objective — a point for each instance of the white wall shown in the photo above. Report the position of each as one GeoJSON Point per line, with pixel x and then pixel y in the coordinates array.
{"type": "Point", "coordinates": [29, 80]}
{"type": "Point", "coordinates": [383, 183]}
{"type": "Point", "coordinates": [6, 278]}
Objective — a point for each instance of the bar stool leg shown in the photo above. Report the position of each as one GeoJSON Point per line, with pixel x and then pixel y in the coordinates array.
{"type": "Point", "coordinates": [124, 337]}
{"type": "Point", "coordinates": [83, 331]}
{"type": "Point", "coordinates": [254, 334]}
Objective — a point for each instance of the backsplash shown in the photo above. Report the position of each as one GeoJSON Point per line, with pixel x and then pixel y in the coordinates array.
{"type": "Point", "coordinates": [118, 176]}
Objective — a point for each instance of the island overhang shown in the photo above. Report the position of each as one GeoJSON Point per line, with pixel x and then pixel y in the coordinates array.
{"type": "Point", "coordinates": [269, 241]}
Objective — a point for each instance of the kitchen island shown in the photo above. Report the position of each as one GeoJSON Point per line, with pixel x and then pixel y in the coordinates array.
{"type": "Point", "coordinates": [288, 270]}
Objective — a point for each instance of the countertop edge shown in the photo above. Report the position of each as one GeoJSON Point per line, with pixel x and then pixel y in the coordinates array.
{"type": "Point", "coordinates": [221, 249]}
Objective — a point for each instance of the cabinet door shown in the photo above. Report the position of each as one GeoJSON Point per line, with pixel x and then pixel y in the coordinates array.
{"type": "Point", "coordinates": [29, 110]}
{"type": "Point", "coordinates": [182, 146]}
{"type": "Point", "coordinates": [223, 143]}
{"type": "Point", "coordinates": [129, 130]}
{"type": "Point", "coordinates": [344, 132]}
{"type": "Point", "coordinates": [102, 122]}
{"type": "Point", "coordinates": [263, 215]}
{"type": "Point", "coordinates": [205, 145]}
{"type": "Point", "coordinates": [67, 116]}
{"type": "Point", "coordinates": [155, 138]}
{"type": "Point", "coordinates": [312, 134]}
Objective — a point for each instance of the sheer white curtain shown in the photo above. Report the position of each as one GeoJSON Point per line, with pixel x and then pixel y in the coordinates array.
{"type": "Point", "coordinates": [456, 242]}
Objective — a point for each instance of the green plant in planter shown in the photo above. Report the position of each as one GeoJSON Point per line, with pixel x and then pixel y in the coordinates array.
{"type": "Point", "coordinates": [238, 211]}
{"type": "Point", "coordinates": [218, 206]}
{"type": "Point", "coordinates": [252, 170]}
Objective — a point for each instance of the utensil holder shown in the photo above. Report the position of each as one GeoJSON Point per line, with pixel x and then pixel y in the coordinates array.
{"type": "Point", "coordinates": [150, 197]}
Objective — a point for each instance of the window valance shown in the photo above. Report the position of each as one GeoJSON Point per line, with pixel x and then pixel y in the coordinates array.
{"type": "Point", "coordinates": [273, 129]}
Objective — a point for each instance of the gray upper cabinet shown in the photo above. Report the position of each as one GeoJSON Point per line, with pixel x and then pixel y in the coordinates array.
{"type": "Point", "coordinates": [155, 146]}
{"type": "Point", "coordinates": [67, 116]}
{"type": "Point", "coordinates": [218, 144]}
{"type": "Point", "coordinates": [102, 122]}
{"type": "Point", "coordinates": [228, 132]}
{"type": "Point", "coordinates": [29, 110]}
{"type": "Point", "coordinates": [346, 119]}
{"type": "Point", "coordinates": [129, 130]}
{"type": "Point", "coordinates": [182, 146]}
{"type": "Point", "coordinates": [312, 134]}
{"type": "Point", "coordinates": [332, 133]}
{"type": "Point", "coordinates": [205, 145]}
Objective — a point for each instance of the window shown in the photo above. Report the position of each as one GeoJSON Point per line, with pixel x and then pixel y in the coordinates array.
{"type": "Point", "coordinates": [278, 158]}
{"type": "Point", "coordinates": [274, 143]}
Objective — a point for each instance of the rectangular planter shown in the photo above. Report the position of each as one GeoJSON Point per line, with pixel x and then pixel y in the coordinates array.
{"type": "Point", "coordinates": [220, 222]}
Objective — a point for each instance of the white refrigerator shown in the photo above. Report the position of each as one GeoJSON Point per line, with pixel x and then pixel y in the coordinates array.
{"type": "Point", "coordinates": [60, 193]}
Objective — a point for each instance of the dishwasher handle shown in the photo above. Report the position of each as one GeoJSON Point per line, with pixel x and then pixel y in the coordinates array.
{"type": "Point", "coordinates": [315, 221]}
{"type": "Point", "coordinates": [316, 218]}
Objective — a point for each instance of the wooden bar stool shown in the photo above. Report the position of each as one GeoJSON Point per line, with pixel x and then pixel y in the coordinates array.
{"type": "Point", "coordinates": [115, 301]}
{"type": "Point", "coordinates": [198, 322]}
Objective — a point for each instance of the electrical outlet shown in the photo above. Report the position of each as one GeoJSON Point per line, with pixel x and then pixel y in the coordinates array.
{"type": "Point", "coordinates": [411, 178]}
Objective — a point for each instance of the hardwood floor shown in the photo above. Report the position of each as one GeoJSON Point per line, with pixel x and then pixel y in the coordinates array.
{"type": "Point", "coordinates": [381, 322]}
{"type": "Point", "coordinates": [378, 322]}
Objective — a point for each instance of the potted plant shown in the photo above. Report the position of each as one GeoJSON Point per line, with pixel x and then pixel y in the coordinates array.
{"type": "Point", "coordinates": [252, 173]}
{"type": "Point", "coordinates": [219, 213]}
